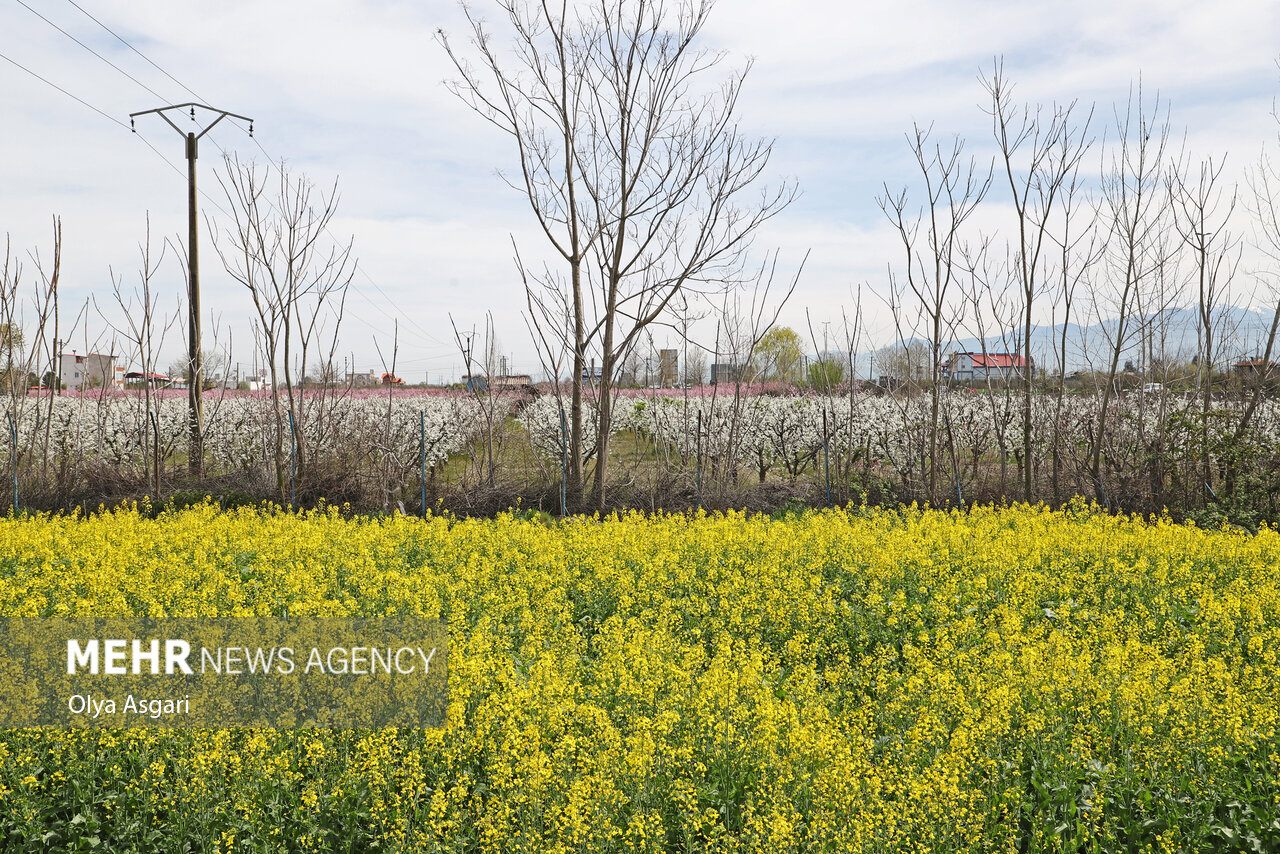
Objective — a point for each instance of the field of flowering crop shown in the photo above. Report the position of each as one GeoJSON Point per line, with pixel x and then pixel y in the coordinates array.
{"type": "Point", "coordinates": [863, 680]}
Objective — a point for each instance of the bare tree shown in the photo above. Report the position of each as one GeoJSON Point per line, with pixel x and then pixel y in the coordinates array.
{"type": "Point", "coordinates": [277, 247]}
{"type": "Point", "coordinates": [641, 186]}
{"type": "Point", "coordinates": [831, 374]}
{"type": "Point", "coordinates": [145, 338]}
{"type": "Point", "coordinates": [40, 338]}
{"type": "Point", "coordinates": [745, 316]}
{"type": "Point", "coordinates": [1264, 203]}
{"type": "Point", "coordinates": [932, 242]}
{"type": "Point", "coordinates": [1078, 250]}
{"type": "Point", "coordinates": [1134, 210]}
{"type": "Point", "coordinates": [14, 339]}
{"type": "Point", "coordinates": [906, 361]}
{"type": "Point", "coordinates": [991, 312]}
{"type": "Point", "coordinates": [1039, 153]}
{"type": "Point", "coordinates": [482, 374]}
{"type": "Point", "coordinates": [388, 458]}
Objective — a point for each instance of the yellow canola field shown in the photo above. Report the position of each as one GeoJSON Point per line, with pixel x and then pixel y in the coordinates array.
{"type": "Point", "coordinates": [863, 680]}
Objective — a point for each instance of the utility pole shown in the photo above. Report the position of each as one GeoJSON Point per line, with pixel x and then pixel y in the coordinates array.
{"type": "Point", "coordinates": [466, 356]}
{"type": "Point", "coordinates": [195, 384]}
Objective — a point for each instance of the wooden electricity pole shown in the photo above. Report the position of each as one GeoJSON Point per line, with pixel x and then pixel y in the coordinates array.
{"type": "Point", "coordinates": [195, 381]}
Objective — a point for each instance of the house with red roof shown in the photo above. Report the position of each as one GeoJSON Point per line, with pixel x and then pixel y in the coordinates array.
{"type": "Point", "coordinates": [964, 367]}
{"type": "Point", "coordinates": [1256, 367]}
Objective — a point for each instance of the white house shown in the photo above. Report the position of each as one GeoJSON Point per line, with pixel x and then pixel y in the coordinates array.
{"type": "Point", "coordinates": [91, 370]}
{"type": "Point", "coordinates": [987, 366]}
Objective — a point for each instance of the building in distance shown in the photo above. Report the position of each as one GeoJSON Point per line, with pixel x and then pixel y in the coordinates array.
{"type": "Point", "coordinates": [90, 370]}
{"type": "Point", "coordinates": [966, 367]}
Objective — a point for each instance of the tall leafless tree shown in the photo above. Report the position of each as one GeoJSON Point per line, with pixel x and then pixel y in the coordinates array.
{"type": "Point", "coordinates": [1039, 151]}
{"type": "Point", "coordinates": [144, 329]}
{"type": "Point", "coordinates": [644, 188]}
{"type": "Point", "coordinates": [1078, 249]}
{"type": "Point", "coordinates": [278, 246]}
{"type": "Point", "coordinates": [1264, 204]}
{"type": "Point", "coordinates": [1135, 212]}
{"type": "Point", "coordinates": [41, 336]}
{"type": "Point", "coordinates": [932, 237]}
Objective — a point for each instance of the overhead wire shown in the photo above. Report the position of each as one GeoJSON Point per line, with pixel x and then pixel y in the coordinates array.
{"type": "Point", "coordinates": [271, 163]}
{"type": "Point", "coordinates": [48, 82]}
{"type": "Point", "coordinates": [209, 199]}
{"type": "Point", "coordinates": [101, 113]}
{"type": "Point", "coordinates": [86, 47]}
{"type": "Point", "coordinates": [148, 59]}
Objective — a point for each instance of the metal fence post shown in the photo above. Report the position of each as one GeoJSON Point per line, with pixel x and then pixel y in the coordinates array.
{"type": "Point", "coordinates": [13, 459]}
{"type": "Point", "coordinates": [293, 464]}
{"type": "Point", "coordinates": [699, 462]}
{"type": "Point", "coordinates": [826, 465]}
{"type": "Point", "coordinates": [422, 456]}
{"type": "Point", "coordinates": [564, 464]}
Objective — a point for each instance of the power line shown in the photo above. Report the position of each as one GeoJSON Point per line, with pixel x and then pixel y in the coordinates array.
{"type": "Point", "coordinates": [126, 43]}
{"type": "Point", "coordinates": [91, 50]}
{"type": "Point", "coordinates": [113, 120]}
{"type": "Point", "coordinates": [148, 143]}
{"type": "Point", "coordinates": [105, 115]}
{"type": "Point", "coordinates": [63, 91]}
{"type": "Point", "coordinates": [271, 164]}
{"type": "Point", "coordinates": [270, 160]}
{"type": "Point", "coordinates": [168, 162]}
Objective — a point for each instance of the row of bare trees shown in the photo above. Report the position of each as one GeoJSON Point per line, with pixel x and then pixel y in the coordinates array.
{"type": "Point", "coordinates": [1113, 229]}
{"type": "Point", "coordinates": [278, 245]}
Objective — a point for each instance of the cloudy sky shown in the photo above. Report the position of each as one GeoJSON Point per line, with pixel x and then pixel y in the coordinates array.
{"type": "Point", "coordinates": [352, 92]}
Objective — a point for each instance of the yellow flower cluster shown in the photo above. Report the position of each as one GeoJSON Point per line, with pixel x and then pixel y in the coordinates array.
{"type": "Point", "coordinates": [861, 680]}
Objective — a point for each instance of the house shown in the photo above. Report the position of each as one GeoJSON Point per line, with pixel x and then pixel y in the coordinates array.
{"type": "Point", "coordinates": [91, 370]}
{"type": "Point", "coordinates": [139, 378]}
{"type": "Point", "coordinates": [502, 382]}
{"type": "Point", "coordinates": [963, 367]}
{"type": "Point", "coordinates": [363, 379]}
{"type": "Point", "coordinates": [1257, 367]}
{"type": "Point", "coordinates": [727, 372]}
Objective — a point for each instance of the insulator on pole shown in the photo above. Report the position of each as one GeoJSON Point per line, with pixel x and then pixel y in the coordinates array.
{"type": "Point", "coordinates": [132, 126]}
